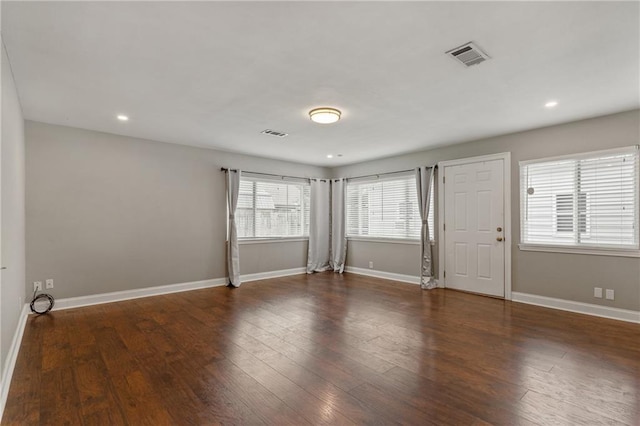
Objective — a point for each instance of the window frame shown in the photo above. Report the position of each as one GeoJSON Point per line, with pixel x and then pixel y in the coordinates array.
{"type": "Point", "coordinates": [582, 248]}
{"type": "Point", "coordinates": [390, 239]}
{"type": "Point", "coordinates": [276, 239]}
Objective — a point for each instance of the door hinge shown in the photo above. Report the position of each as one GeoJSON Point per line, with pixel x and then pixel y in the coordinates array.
{"type": "Point", "coordinates": [443, 180]}
{"type": "Point", "coordinates": [445, 274]}
{"type": "Point", "coordinates": [444, 226]}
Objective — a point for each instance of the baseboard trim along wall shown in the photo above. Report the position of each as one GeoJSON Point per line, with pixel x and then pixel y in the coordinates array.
{"type": "Point", "coordinates": [117, 296]}
{"type": "Point", "coordinates": [272, 274]}
{"type": "Point", "coordinates": [12, 357]}
{"type": "Point", "coordinates": [382, 274]}
{"type": "Point", "coordinates": [578, 307]}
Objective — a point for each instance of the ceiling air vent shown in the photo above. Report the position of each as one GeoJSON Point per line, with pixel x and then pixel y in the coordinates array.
{"type": "Point", "coordinates": [469, 54]}
{"type": "Point", "coordinates": [274, 133]}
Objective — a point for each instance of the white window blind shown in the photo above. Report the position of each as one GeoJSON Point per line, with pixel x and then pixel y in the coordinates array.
{"type": "Point", "coordinates": [585, 201]}
{"type": "Point", "coordinates": [272, 208]}
{"type": "Point", "coordinates": [385, 208]}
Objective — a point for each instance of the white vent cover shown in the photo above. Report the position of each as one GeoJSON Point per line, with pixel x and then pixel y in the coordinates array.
{"type": "Point", "coordinates": [274, 133]}
{"type": "Point", "coordinates": [469, 54]}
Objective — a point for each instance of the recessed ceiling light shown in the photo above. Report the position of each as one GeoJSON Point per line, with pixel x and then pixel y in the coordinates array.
{"type": "Point", "coordinates": [123, 117]}
{"type": "Point", "coordinates": [329, 155]}
{"type": "Point", "coordinates": [551, 104]}
{"type": "Point", "coordinates": [324, 115]}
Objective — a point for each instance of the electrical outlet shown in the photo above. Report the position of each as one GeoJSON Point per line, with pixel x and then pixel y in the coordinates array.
{"type": "Point", "coordinates": [37, 286]}
{"type": "Point", "coordinates": [597, 292]}
{"type": "Point", "coordinates": [49, 283]}
{"type": "Point", "coordinates": [610, 295]}
{"type": "Point", "coordinates": [370, 265]}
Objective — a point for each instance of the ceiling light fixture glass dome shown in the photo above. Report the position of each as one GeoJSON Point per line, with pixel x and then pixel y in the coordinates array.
{"type": "Point", "coordinates": [324, 115]}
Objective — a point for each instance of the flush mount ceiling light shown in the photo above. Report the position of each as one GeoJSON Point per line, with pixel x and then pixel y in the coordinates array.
{"type": "Point", "coordinates": [324, 115]}
{"type": "Point", "coordinates": [123, 117]}
{"type": "Point", "coordinates": [551, 104]}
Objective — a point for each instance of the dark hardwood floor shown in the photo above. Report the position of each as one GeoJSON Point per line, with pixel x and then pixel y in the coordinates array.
{"type": "Point", "coordinates": [325, 349]}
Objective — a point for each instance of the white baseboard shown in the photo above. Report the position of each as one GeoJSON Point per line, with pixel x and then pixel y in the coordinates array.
{"type": "Point", "coordinates": [117, 296]}
{"type": "Point", "coordinates": [382, 274]}
{"type": "Point", "coordinates": [12, 357]}
{"type": "Point", "coordinates": [578, 307]}
{"type": "Point", "coordinates": [272, 274]}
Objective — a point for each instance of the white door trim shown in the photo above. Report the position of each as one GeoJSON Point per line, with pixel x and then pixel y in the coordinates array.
{"type": "Point", "coordinates": [506, 157]}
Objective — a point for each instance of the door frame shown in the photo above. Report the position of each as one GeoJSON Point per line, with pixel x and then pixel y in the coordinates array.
{"type": "Point", "coordinates": [506, 157]}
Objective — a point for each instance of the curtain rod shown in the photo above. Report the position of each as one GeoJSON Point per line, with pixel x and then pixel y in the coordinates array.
{"type": "Point", "coordinates": [224, 169]}
{"type": "Point", "coordinates": [386, 173]}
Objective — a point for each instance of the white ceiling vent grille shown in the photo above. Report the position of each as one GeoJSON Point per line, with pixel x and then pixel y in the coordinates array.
{"type": "Point", "coordinates": [274, 133]}
{"type": "Point", "coordinates": [469, 54]}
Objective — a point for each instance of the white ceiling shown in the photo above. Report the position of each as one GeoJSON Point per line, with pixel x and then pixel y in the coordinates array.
{"type": "Point", "coordinates": [216, 74]}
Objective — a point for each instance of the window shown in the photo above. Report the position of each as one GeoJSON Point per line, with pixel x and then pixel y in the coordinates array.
{"type": "Point", "coordinates": [564, 212]}
{"type": "Point", "coordinates": [272, 208]}
{"type": "Point", "coordinates": [385, 208]}
{"type": "Point", "coordinates": [587, 201]}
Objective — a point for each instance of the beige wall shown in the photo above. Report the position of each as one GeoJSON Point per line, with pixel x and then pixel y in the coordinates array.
{"type": "Point", "coordinates": [398, 258]}
{"type": "Point", "coordinates": [565, 276]}
{"type": "Point", "coordinates": [275, 256]}
{"type": "Point", "coordinates": [108, 213]}
{"type": "Point", "coordinates": [12, 239]}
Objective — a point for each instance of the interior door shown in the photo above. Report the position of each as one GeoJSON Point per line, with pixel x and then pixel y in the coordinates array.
{"type": "Point", "coordinates": [474, 227]}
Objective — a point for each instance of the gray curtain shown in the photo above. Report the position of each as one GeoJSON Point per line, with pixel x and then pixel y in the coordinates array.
{"type": "Point", "coordinates": [233, 253]}
{"type": "Point", "coordinates": [319, 226]}
{"type": "Point", "coordinates": [338, 230]}
{"type": "Point", "coordinates": [424, 177]}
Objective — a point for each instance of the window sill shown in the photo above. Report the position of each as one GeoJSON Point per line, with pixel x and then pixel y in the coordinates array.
{"type": "Point", "coordinates": [270, 240]}
{"type": "Point", "coordinates": [387, 240]}
{"type": "Point", "coordinates": [580, 250]}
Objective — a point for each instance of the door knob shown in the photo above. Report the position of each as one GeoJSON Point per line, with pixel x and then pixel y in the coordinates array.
{"type": "Point", "coordinates": [499, 238]}
{"type": "Point", "coordinates": [499, 229]}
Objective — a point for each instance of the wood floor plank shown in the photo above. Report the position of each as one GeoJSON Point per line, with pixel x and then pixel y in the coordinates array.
{"type": "Point", "coordinates": [399, 409]}
{"type": "Point", "coordinates": [315, 410]}
{"type": "Point", "coordinates": [578, 389]}
{"type": "Point", "coordinates": [316, 385]}
{"type": "Point", "coordinates": [324, 349]}
{"type": "Point", "coordinates": [266, 404]}
{"type": "Point", "coordinates": [338, 376]}
{"type": "Point", "coordinates": [187, 394]}
{"type": "Point", "coordinates": [61, 404]}
{"type": "Point", "coordinates": [458, 397]}
{"type": "Point", "coordinates": [547, 410]}
{"type": "Point", "coordinates": [96, 394]}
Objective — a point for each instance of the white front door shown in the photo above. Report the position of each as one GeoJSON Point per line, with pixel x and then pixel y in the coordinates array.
{"type": "Point", "coordinates": [474, 227]}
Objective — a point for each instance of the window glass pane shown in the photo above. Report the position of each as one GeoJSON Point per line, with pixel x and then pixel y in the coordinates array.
{"type": "Point", "coordinates": [244, 212]}
{"type": "Point", "coordinates": [272, 209]}
{"type": "Point", "coordinates": [385, 208]}
{"type": "Point", "coordinates": [586, 201]}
